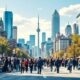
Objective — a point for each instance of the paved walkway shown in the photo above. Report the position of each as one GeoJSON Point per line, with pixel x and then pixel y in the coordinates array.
{"type": "Point", "coordinates": [46, 75]}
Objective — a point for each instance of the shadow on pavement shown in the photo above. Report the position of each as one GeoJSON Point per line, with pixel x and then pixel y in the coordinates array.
{"type": "Point", "coordinates": [12, 77]}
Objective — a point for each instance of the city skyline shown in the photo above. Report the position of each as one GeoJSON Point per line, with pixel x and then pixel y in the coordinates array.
{"type": "Point", "coordinates": [31, 12]}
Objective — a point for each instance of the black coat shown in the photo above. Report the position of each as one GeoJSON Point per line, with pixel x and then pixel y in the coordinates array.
{"type": "Point", "coordinates": [57, 63]}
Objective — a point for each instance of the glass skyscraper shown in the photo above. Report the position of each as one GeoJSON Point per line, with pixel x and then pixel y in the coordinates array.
{"type": "Point", "coordinates": [32, 40]}
{"type": "Point", "coordinates": [21, 41]}
{"type": "Point", "coordinates": [55, 24]}
{"type": "Point", "coordinates": [68, 30]}
{"type": "Point", "coordinates": [1, 25]}
{"type": "Point", "coordinates": [75, 28]}
{"type": "Point", "coordinates": [43, 37]}
{"type": "Point", "coordinates": [15, 32]}
{"type": "Point", "coordinates": [8, 23]}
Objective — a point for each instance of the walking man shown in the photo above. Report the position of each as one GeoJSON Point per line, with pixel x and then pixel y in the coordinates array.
{"type": "Point", "coordinates": [40, 64]}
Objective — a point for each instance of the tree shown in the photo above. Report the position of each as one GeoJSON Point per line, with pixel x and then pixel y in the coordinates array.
{"type": "Point", "coordinates": [4, 46]}
{"type": "Point", "coordinates": [75, 38]}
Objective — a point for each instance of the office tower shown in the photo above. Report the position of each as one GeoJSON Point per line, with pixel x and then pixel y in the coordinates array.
{"type": "Point", "coordinates": [8, 23]}
{"type": "Point", "coordinates": [55, 24]}
{"type": "Point", "coordinates": [1, 25]}
{"type": "Point", "coordinates": [2, 32]}
{"type": "Point", "coordinates": [32, 40]}
{"type": "Point", "coordinates": [43, 37]}
{"type": "Point", "coordinates": [75, 28]}
{"type": "Point", "coordinates": [78, 19]}
{"type": "Point", "coordinates": [61, 43]}
{"type": "Point", "coordinates": [49, 47]}
{"type": "Point", "coordinates": [15, 33]}
{"type": "Point", "coordinates": [38, 32]}
{"type": "Point", "coordinates": [68, 30]}
{"type": "Point", "coordinates": [21, 41]}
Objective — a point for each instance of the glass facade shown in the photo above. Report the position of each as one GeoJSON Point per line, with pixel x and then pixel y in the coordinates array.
{"type": "Point", "coordinates": [1, 25]}
{"type": "Point", "coordinates": [15, 33]}
{"type": "Point", "coordinates": [55, 24]}
{"type": "Point", "coordinates": [8, 23]}
{"type": "Point", "coordinates": [21, 41]}
{"type": "Point", "coordinates": [68, 30]}
{"type": "Point", "coordinates": [32, 40]}
{"type": "Point", "coordinates": [43, 37]}
{"type": "Point", "coordinates": [75, 28]}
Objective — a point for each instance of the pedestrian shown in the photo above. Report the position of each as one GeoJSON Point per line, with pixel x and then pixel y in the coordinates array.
{"type": "Point", "coordinates": [22, 66]}
{"type": "Point", "coordinates": [51, 64]}
{"type": "Point", "coordinates": [74, 63]}
{"type": "Point", "coordinates": [40, 64]}
{"type": "Point", "coordinates": [79, 64]}
{"type": "Point", "coordinates": [17, 64]}
{"type": "Point", "coordinates": [66, 62]}
{"type": "Point", "coordinates": [35, 64]}
{"type": "Point", "coordinates": [31, 63]}
{"type": "Point", "coordinates": [1, 64]}
{"type": "Point", "coordinates": [5, 67]}
{"type": "Point", "coordinates": [26, 64]}
{"type": "Point", "coordinates": [63, 62]}
{"type": "Point", "coordinates": [70, 63]}
{"type": "Point", "coordinates": [57, 65]}
{"type": "Point", "coordinates": [9, 65]}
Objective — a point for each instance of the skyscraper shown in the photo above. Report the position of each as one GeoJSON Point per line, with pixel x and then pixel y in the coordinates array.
{"type": "Point", "coordinates": [21, 41]}
{"type": "Point", "coordinates": [1, 25]}
{"type": "Point", "coordinates": [55, 24]}
{"type": "Point", "coordinates": [49, 46]}
{"type": "Point", "coordinates": [75, 28]}
{"type": "Point", "coordinates": [2, 32]}
{"type": "Point", "coordinates": [32, 40]}
{"type": "Point", "coordinates": [8, 23]}
{"type": "Point", "coordinates": [68, 30]}
{"type": "Point", "coordinates": [15, 33]}
{"type": "Point", "coordinates": [43, 49]}
{"type": "Point", "coordinates": [43, 37]}
{"type": "Point", "coordinates": [38, 32]}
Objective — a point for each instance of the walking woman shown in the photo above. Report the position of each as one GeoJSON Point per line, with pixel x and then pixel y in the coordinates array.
{"type": "Point", "coordinates": [22, 66]}
{"type": "Point", "coordinates": [70, 63]}
{"type": "Point", "coordinates": [51, 64]}
{"type": "Point", "coordinates": [26, 64]}
{"type": "Point", "coordinates": [31, 63]}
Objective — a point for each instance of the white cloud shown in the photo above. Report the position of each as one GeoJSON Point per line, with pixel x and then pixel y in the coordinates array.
{"type": "Point", "coordinates": [27, 26]}
{"type": "Point", "coordinates": [68, 11]}
{"type": "Point", "coordinates": [1, 11]}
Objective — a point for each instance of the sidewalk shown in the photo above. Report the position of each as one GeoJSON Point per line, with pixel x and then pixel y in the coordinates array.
{"type": "Point", "coordinates": [46, 73]}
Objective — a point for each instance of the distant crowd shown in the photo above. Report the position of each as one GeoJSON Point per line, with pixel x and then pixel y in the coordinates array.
{"type": "Point", "coordinates": [8, 64]}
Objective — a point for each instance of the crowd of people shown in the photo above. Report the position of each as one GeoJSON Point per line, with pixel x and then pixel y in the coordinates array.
{"type": "Point", "coordinates": [9, 64]}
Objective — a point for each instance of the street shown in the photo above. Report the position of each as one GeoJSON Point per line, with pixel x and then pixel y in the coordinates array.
{"type": "Point", "coordinates": [46, 75]}
{"type": "Point", "coordinates": [36, 78]}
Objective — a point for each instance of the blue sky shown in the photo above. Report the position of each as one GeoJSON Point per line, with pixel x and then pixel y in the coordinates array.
{"type": "Point", "coordinates": [26, 11]}
{"type": "Point", "coordinates": [30, 7]}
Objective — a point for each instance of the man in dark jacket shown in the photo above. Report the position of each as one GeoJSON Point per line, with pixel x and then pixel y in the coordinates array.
{"type": "Point", "coordinates": [74, 63]}
{"type": "Point", "coordinates": [57, 64]}
{"type": "Point", "coordinates": [40, 64]}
